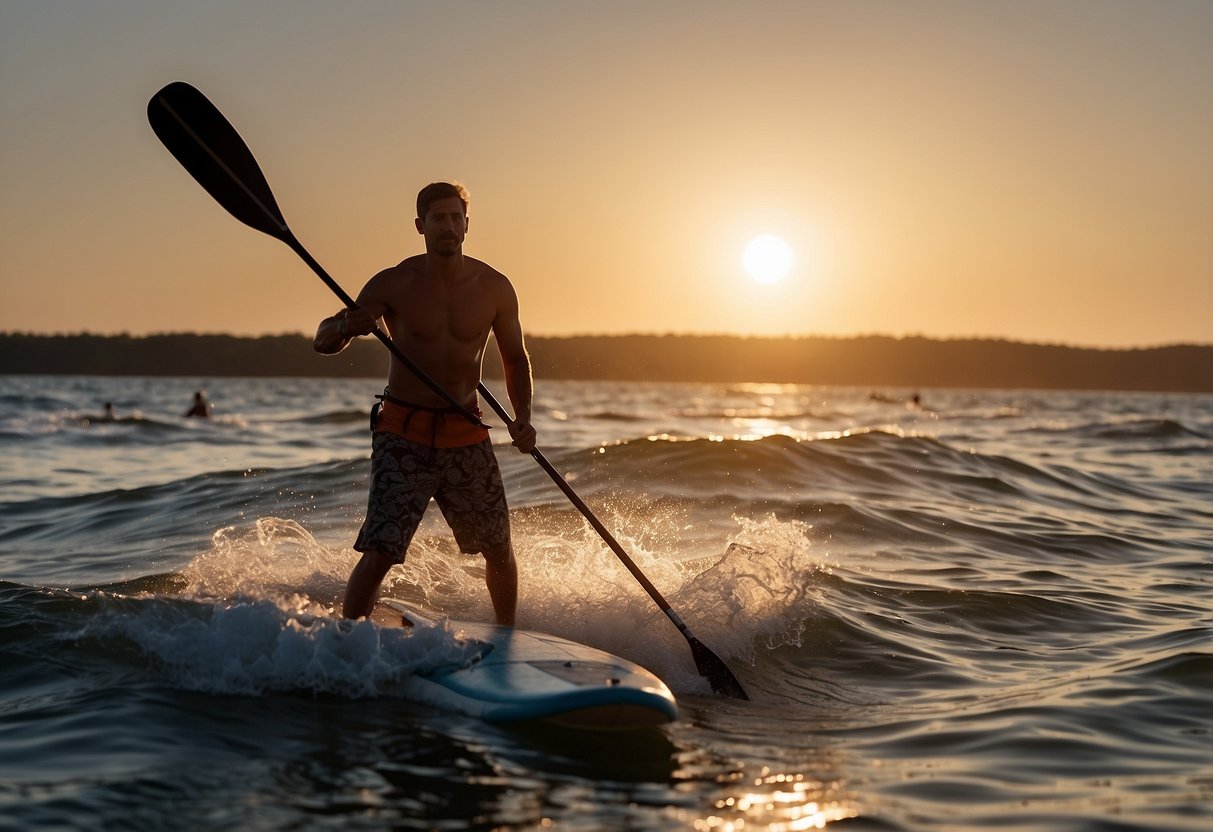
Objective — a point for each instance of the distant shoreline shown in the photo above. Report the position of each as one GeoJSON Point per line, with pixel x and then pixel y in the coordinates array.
{"type": "Point", "coordinates": [875, 361]}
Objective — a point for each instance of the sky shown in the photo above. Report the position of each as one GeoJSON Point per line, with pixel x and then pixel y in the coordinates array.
{"type": "Point", "coordinates": [1031, 170]}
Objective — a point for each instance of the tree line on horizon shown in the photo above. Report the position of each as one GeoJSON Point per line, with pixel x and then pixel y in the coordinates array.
{"type": "Point", "coordinates": [874, 360]}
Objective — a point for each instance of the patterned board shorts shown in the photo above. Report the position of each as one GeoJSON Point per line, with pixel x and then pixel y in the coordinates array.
{"type": "Point", "coordinates": [465, 482]}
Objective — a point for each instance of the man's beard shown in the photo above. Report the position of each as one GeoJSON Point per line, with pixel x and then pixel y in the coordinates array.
{"type": "Point", "coordinates": [447, 248]}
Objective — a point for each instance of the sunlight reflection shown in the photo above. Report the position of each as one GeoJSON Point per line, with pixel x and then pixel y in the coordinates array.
{"type": "Point", "coordinates": [779, 802]}
{"type": "Point", "coordinates": [764, 388]}
{"type": "Point", "coordinates": [891, 429]}
{"type": "Point", "coordinates": [750, 430]}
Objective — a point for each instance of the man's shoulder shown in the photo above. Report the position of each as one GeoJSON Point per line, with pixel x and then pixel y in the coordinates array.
{"type": "Point", "coordinates": [486, 274]}
{"type": "Point", "coordinates": [408, 266]}
{"type": "Point", "coordinates": [404, 270]}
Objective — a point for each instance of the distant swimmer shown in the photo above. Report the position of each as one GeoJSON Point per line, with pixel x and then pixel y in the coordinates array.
{"type": "Point", "coordinates": [200, 408]}
{"type": "Point", "coordinates": [106, 415]}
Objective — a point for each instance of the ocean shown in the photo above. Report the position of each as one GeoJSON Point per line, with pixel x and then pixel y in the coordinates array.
{"type": "Point", "coordinates": [989, 609]}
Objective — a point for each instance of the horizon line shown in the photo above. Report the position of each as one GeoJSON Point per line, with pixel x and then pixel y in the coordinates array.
{"type": "Point", "coordinates": [670, 334]}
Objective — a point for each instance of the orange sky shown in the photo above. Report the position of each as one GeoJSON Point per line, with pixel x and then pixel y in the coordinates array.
{"type": "Point", "coordinates": [1030, 170]}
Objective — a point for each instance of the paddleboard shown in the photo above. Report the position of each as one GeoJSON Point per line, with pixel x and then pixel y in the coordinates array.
{"type": "Point", "coordinates": [522, 675]}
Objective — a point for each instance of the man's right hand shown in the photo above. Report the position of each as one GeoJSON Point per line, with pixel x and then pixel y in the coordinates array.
{"type": "Point", "coordinates": [356, 322]}
{"type": "Point", "coordinates": [335, 333]}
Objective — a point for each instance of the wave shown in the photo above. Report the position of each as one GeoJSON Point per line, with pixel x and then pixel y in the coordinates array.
{"type": "Point", "coordinates": [869, 463]}
{"type": "Point", "coordinates": [757, 412]}
{"type": "Point", "coordinates": [1127, 430]}
{"type": "Point", "coordinates": [242, 646]}
{"type": "Point", "coordinates": [253, 613]}
{"type": "Point", "coordinates": [165, 520]}
{"type": "Point", "coordinates": [775, 466]}
{"type": "Point", "coordinates": [872, 487]}
{"type": "Point", "coordinates": [336, 417]}
{"type": "Point", "coordinates": [85, 428]}
{"type": "Point", "coordinates": [611, 416]}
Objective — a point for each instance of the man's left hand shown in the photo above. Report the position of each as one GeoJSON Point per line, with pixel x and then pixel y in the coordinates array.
{"type": "Point", "coordinates": [524, 435]}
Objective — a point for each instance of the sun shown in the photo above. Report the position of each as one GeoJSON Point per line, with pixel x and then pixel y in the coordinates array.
{"type": "Point", "coordinates": [767, 258]}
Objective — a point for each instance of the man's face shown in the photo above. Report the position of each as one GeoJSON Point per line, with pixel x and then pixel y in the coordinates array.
{"type": "Point", "coordinates": [444, 227]}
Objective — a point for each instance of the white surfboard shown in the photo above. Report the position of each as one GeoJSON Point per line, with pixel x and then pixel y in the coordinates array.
{"type": "Point", "coordinates": [522, 675]}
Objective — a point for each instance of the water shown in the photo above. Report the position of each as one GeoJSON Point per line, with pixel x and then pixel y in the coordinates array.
{"type": "Point", "coordinates": [990, 611]}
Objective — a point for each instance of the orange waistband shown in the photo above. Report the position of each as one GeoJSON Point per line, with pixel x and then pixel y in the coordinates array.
{"type": "Point", "coordinates": [441, 429]}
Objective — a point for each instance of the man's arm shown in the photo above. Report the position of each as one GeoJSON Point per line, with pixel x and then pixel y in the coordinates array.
{"type": "Point", "coordinates": [335, 333]}
{"type": "Point", "coordinates": [516, 364]}
{"type": "Point", "coordinates": [331, 337]}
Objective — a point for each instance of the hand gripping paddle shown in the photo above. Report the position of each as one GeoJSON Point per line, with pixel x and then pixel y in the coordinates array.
{"type": "Point", "coordinates": [211, 150]}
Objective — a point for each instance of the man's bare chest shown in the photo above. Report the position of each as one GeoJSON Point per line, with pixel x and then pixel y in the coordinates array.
{"type": "Point", "coordinates": [424, 314]}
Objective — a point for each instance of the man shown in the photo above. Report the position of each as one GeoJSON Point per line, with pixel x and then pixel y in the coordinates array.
{"type": "Point", "coordinates": [438, 308]}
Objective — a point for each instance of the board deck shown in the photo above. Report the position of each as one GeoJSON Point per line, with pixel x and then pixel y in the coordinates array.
{"type": "Point", "coordinates": [523, 675]}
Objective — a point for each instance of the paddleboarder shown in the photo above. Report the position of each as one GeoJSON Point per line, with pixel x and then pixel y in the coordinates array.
{"type": "Point", "coordinates": [439, 308]}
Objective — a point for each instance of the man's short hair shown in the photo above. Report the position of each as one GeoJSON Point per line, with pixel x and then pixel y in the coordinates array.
{"type": "Point", "coordinates": [435, 191]}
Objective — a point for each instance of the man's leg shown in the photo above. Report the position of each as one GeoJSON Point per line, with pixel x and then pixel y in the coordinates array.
{"type": "Point", "coordinates": [363, 586]}
{"type": "Point", "coordinates": [501, 576]}
{"type": "Point", "coordinates": [472, 499]}
{"type": "Point", "coordinates": [401, 485]}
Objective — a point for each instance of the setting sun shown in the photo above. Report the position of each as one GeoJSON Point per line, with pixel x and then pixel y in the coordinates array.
{"type": "Point", "coordinates": [767, 259]}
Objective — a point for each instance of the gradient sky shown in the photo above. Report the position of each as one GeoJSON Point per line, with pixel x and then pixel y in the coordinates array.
{"type": "Point", "coordinates": [1032, 170]}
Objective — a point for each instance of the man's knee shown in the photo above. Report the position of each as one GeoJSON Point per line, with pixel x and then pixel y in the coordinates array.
{"type": "Point", "coordinates": [374, 563]}
{"type": "Point", "coordinates": [499, 555]}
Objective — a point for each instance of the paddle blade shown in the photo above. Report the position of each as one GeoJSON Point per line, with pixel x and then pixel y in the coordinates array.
{"type": "Point", "coordinates": [206, 145]}
{"type": "Point", "coordinates": [713, 668]}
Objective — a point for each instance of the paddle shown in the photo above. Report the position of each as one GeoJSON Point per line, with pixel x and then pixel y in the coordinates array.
{"type": "Point", "coordinates": [211, 150]}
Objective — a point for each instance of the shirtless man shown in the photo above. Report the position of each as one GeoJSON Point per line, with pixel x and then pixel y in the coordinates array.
{"type": "Point", "coordinates": [438, 308]}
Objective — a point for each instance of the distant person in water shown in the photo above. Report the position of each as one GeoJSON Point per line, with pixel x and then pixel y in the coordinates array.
{"type": "Point", "coordinates": [438, 308]}
{"type": "Point", "coordinates": [200, 408]}
{"type": "Point", "coordinates": [109, 415]}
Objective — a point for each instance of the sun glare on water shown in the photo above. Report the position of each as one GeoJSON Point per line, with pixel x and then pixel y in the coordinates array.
{"type": "Point", "coordinates": [767, 259]}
